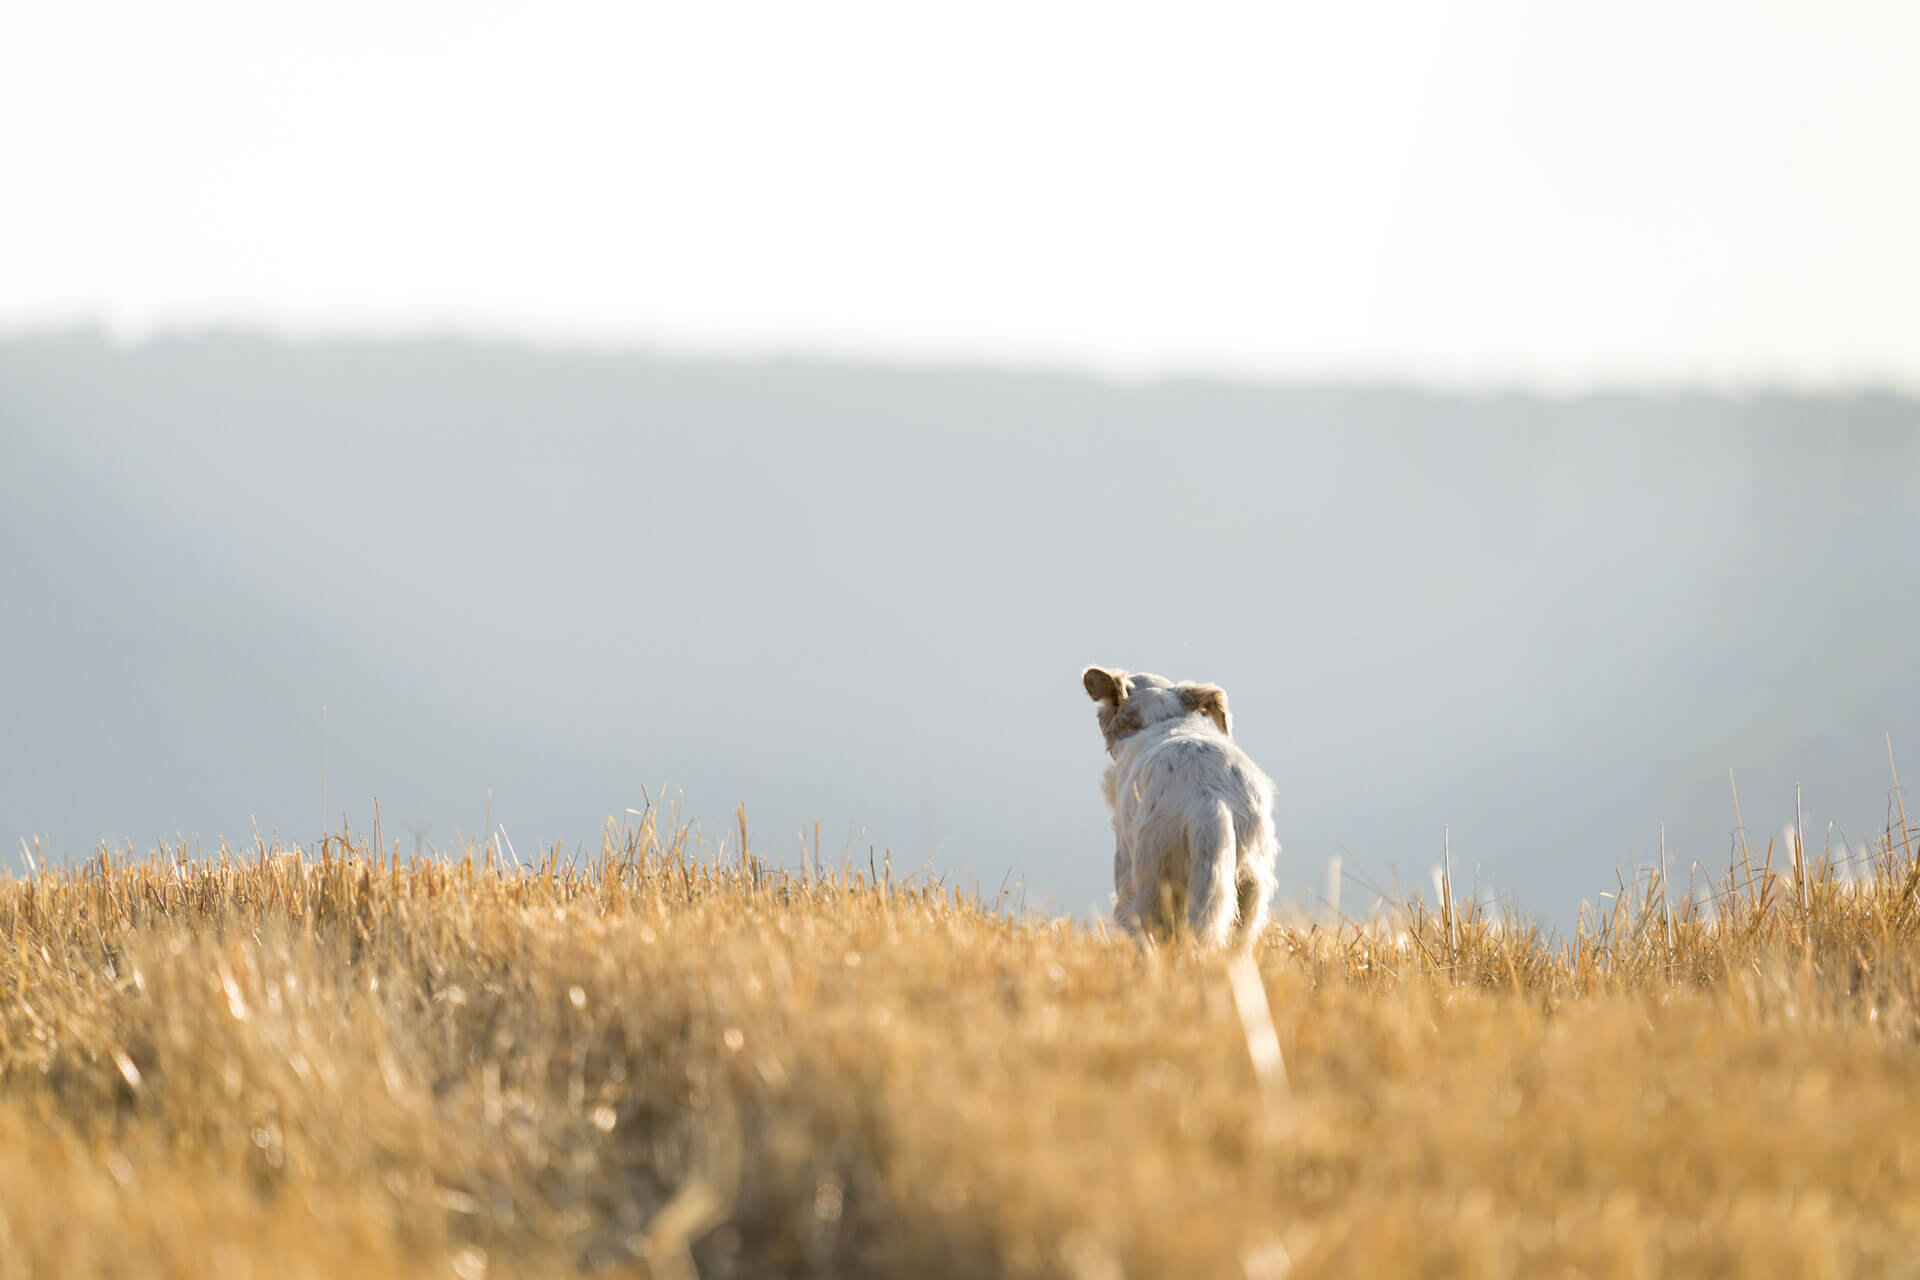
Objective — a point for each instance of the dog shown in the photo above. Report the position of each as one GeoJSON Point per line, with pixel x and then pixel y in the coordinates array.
{"type": "Point", "coordinates": [1192, 813]}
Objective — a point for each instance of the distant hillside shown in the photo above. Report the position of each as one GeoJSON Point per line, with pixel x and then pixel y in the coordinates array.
{"type": "Point", "coordinates": [863, 596]}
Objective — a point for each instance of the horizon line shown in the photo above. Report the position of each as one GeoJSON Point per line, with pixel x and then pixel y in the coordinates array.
{"type": "Point", "coordinates": [933, 359]}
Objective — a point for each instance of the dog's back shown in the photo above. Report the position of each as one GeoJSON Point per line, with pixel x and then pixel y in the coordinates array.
{"type": "Point", "coordinates": [1192, 813]}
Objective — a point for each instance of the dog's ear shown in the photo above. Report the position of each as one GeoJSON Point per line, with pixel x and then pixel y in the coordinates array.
{"type": "Point", "coordinates": [1210, 699]}
{"type": "Point", "coordinates": [1105, 686]}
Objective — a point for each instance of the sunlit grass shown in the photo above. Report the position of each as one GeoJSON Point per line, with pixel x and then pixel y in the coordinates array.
{"type": "Point", "coordinates": [661, 1060]}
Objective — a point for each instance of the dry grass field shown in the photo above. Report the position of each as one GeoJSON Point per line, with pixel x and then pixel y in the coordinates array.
{"type": "Point", "coordinates": [658, 1062]}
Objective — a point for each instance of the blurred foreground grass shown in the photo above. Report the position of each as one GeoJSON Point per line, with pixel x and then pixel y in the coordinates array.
{"type": "Point", "coordinates": [268, 1065]}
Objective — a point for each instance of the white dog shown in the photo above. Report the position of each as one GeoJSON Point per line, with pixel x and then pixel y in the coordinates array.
{"type": "Point", "coordinates": [1192, 814]}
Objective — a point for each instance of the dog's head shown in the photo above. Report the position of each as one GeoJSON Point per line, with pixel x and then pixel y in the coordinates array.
{"type": "Point", "coordinates": [1126, 702]}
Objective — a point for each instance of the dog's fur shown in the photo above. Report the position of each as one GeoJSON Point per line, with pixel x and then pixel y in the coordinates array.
{"type": "Point", "coordinates": [1192, 814]}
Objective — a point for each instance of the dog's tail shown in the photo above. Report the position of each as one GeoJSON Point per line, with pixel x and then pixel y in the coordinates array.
{"type": "Point", "coordinates": [1213, 851]}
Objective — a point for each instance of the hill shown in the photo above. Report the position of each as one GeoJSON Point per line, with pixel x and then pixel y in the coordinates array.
{"type": "Point", "coordinates": [533, 588]}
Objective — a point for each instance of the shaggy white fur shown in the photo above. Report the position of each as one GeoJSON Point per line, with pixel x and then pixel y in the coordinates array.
{"type": "Point", "coordinates": [1192, 813]}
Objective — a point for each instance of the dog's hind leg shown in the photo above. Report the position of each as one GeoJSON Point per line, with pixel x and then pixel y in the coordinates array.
{"type": "Point", "coordinates": [1211, 897]}
{"type": "Point", "coordinates": [1255, 894]}
{"type": "Point", "coordinates": [1152, 911]}
{"type": "Point", "coordinates": [1126, 907]}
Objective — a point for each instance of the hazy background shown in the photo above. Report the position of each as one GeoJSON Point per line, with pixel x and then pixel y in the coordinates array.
{"type": "Point", "coordinates": [1508, 406]}
{"type": "Point", "coordinates": [865, 597]}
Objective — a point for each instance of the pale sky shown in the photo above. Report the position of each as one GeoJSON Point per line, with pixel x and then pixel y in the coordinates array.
{"type": "Point", "coordinates": [1552, 194]}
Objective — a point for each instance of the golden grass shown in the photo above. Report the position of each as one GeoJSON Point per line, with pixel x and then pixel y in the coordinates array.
{"type": "Point", "coordinates": [364, 1066]}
